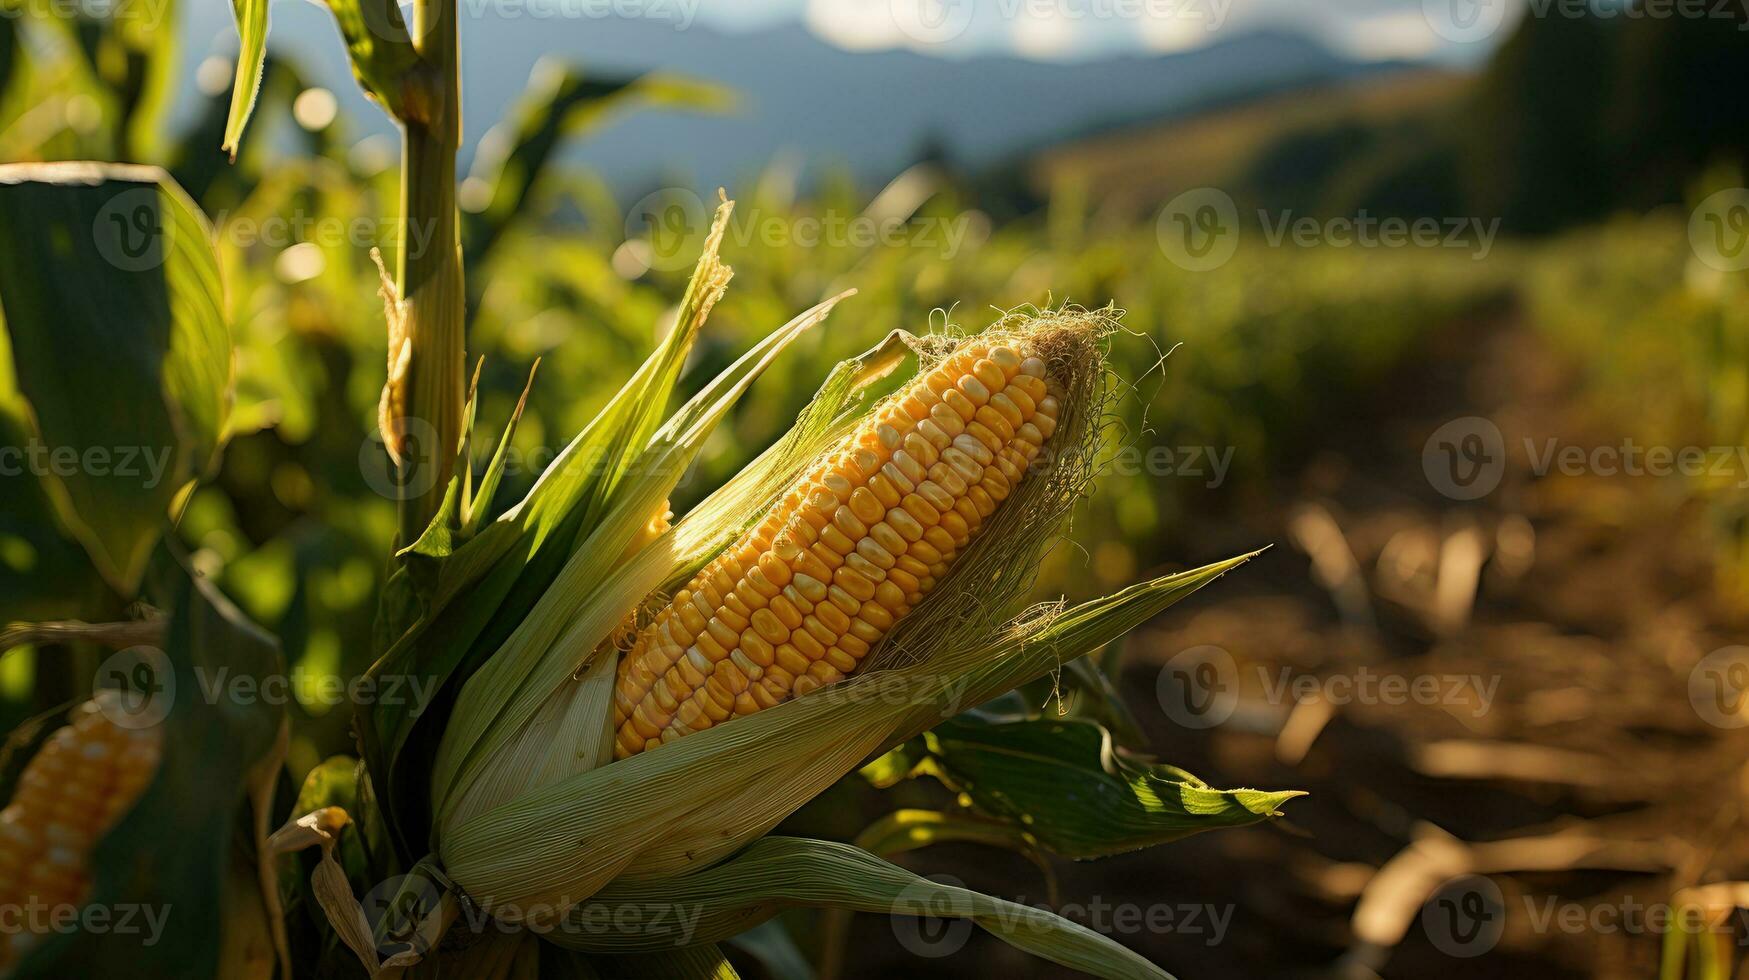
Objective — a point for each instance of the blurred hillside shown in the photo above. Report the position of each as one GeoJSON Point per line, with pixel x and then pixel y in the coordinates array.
{"type": "Point", "coordinates": [1571, 119]}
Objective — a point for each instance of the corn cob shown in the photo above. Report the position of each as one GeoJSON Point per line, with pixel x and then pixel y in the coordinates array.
{"type": "Point", "coordinates": [799, 600]}
{"type": "Point", "coordinates": [79, 784]}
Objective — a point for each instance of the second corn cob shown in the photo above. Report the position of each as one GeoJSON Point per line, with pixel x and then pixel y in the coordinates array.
{"type": "Point", "coordinates": [800, 600]}
{"type": "Point", "coordinates": [73, 791]}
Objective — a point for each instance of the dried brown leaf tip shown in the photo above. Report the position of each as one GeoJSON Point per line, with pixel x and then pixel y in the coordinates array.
{"type": "Point", "coordinates": [392, 406]}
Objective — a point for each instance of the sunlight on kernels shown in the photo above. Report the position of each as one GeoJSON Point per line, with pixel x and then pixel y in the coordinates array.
{"type": "Point", "coordinates": [632, 259]}
{"type": "Point", "coordinates": [299, 263]}
{"type": "Point", "coordinates": [315, 109]}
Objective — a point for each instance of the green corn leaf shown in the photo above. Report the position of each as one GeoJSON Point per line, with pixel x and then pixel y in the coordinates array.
{"type": "Point", "coordinates": [561, 102]}
{"type": "Point", "coordinates": [481, 504]}
{"type": "Point", "coordinates": [380, 49]}
{"type": "Point", "coordinates": [910, 830]}
{"type": "Point", "coordinates": [740, 780]}
{"type": "Point", "coordinates": [114, 314]}
{"type": "Point", "coordinates": [1075, 792]}
{"type": "Point", "coordinates": [168, 857]}
{"type": "Point", "coordinates": [43, 573]}
{"type": "Point", "coordinates": [775, 873]}
{"type": "Point", "coordinates": [251, 17]}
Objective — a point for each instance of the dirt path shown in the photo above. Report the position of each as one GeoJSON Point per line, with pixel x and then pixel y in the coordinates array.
{"type": "Point", "coordinates": [1516, 666]}
{"type": "Point", "coordinates": [1511, 671]}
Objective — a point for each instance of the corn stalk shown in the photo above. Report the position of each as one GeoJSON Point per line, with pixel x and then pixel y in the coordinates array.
{"type": "Point", "coordinates": [429, 279]}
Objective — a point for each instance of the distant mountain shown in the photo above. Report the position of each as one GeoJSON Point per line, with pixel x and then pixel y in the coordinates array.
{"type": "Point", "coordinates": [1298, 148]}
{"type": "Point", "coordinates": [803, 99]}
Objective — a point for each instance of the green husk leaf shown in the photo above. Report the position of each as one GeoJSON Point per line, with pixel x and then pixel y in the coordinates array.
{"type": "Point", "coordinates": [481, 504]}
{"type": "Point", "coordinates": [776, 873]}
{"type": "Point", "coordinates": [589, 597]}
{"type": "Point", "coordinates": [701, 798]}
{"type": "Point", "coordinates": [910, 830]}
{"type": "Point", "coordinates": [507, 566]}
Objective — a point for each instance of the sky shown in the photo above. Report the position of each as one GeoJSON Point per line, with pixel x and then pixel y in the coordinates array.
{"type": "Point", "coordinates": [1076, 29]}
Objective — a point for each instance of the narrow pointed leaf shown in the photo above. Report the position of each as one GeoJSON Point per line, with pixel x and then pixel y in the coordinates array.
{"type": "Point", "coordinates": [481, 504]}
{"type": "Point", "coordinates": [251, 17]}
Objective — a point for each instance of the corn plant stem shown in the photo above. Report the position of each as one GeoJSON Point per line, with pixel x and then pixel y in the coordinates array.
{"type": "Point", "coordinates": [429, 270]}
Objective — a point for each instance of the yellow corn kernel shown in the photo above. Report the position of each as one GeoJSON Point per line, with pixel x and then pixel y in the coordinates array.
{"type": "Point", "coordinates": [853, 546]}
{"type": "Point", "coordinates": [85, 777]}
